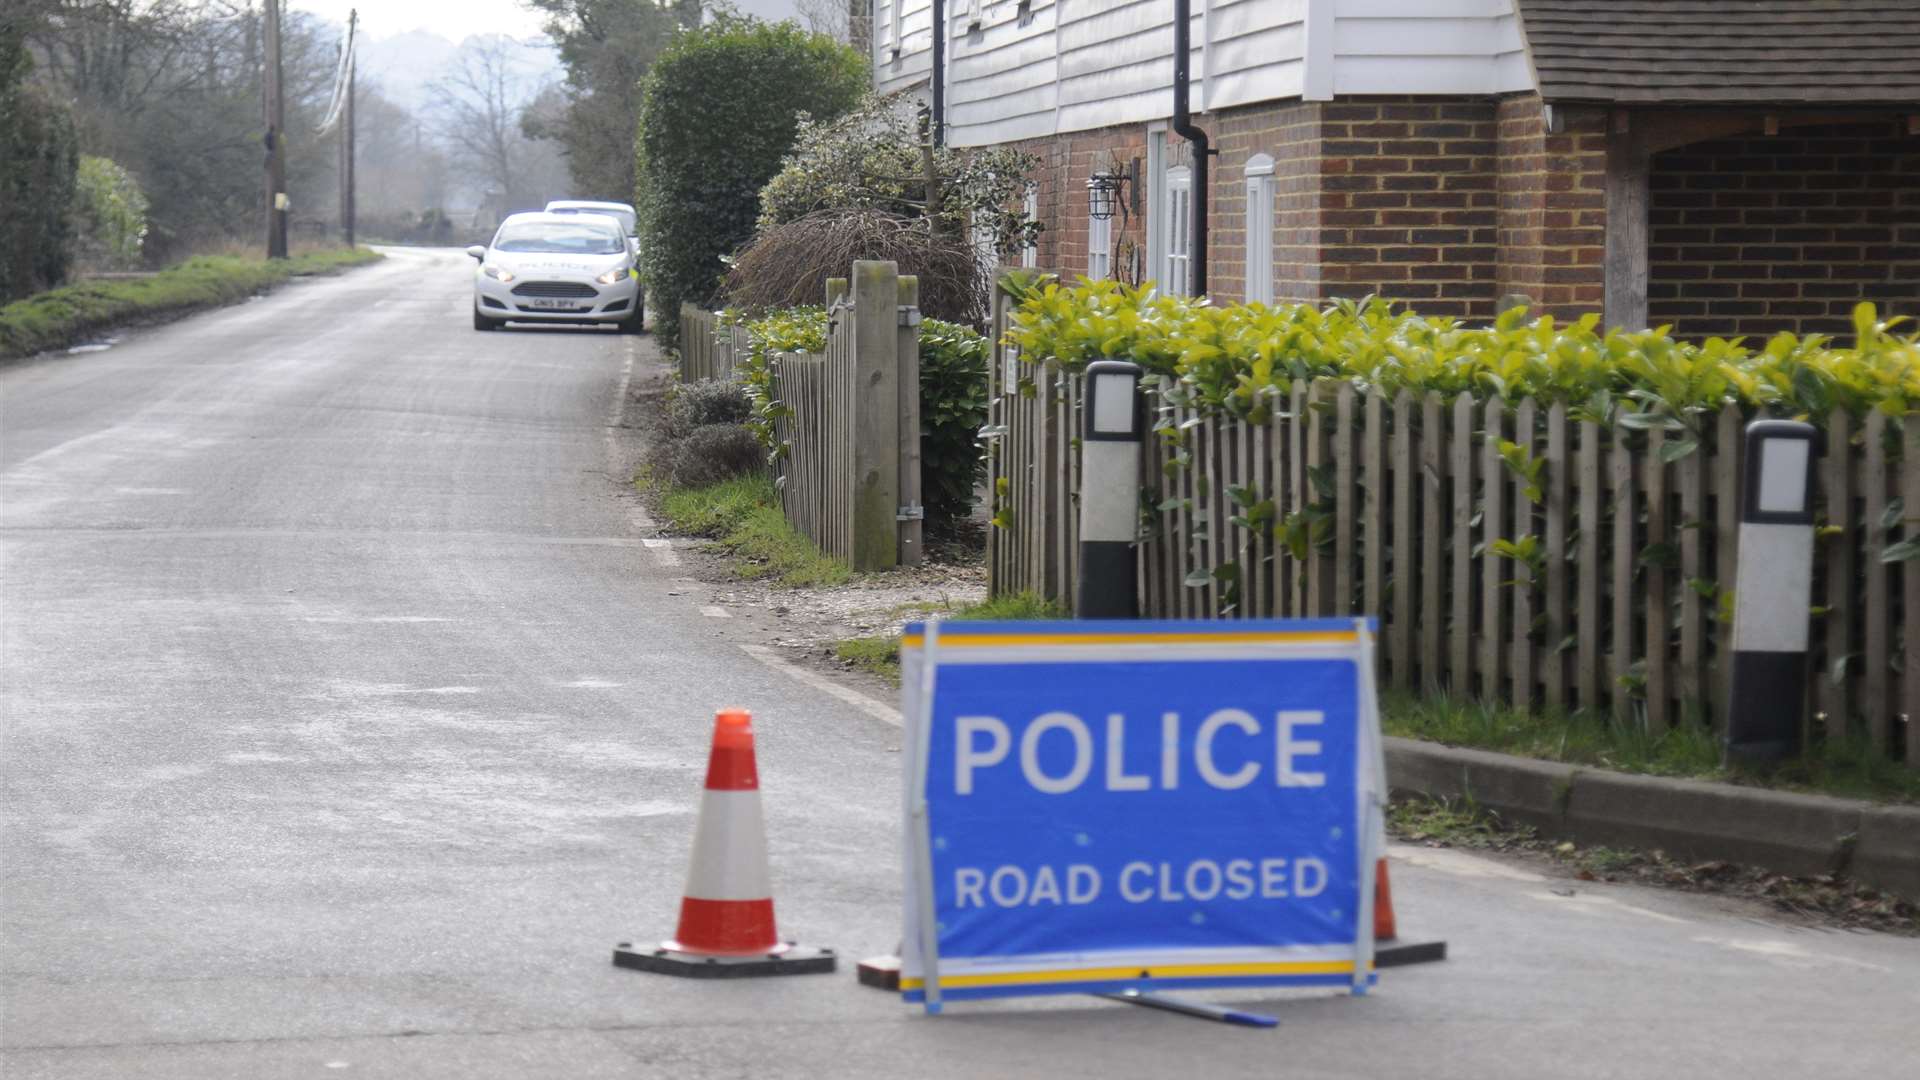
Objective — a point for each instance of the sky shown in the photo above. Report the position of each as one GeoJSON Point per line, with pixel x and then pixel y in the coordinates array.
{"type": "Point", "coordinates": [455, 19]}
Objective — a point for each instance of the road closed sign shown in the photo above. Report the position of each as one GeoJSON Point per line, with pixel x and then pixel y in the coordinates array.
{"type": "Point", "coordinates": [1099, 806]}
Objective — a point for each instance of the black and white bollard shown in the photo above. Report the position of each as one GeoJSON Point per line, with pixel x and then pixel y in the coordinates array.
{"type": "Point", "coordinates": [1773, 594]}
{"type": "Point", "coordinates": [1113, 426]}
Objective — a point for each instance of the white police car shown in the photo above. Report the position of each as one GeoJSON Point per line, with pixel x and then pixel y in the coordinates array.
{"type": "Point", "coordinates": [557, 268]}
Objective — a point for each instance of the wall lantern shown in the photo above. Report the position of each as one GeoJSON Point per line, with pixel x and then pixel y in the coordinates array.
{"type": "Point", "coordinates": [1103, 194]}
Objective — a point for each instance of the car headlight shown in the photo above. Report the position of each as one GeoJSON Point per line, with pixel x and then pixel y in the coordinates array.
{"type": "Point", "coordinates": [497, 273]}
{"type": "Point", "coordinates": [614, 276]}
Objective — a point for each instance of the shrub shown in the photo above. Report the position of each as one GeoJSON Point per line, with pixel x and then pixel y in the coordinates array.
{"type": "Point", "coordinates": [110, 211]}
{"type": "Point", "coordinates": [1241, 357]}
{"type": "Point", "coordinates": [708, 401]}
{"type": "Point", "coordinates": [953, 398]}
{"type": "Point", "coordinates": [718, 111]}
{"type": "Point", "coordinates": [789, 264]}
{"type": "Point", "coordinates": [953, 406]}
{"type": "Point", "coordinates": [38, 162]}
{"type": "Point", "coordinates": [873, 159]}
{"type": "Point", "coordinates": [716, 452]}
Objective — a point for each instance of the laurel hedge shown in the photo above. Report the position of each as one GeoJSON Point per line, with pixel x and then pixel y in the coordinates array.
{"type": "Point", "coordinates": [1241, 358]}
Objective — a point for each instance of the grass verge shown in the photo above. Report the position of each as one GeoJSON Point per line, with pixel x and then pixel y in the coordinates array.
{"type": "Point", "coordinates": [879, 655]}
{"type": "Point", "coordinates": [743, 516]}
{"type": "Point", "coordinates": [1825, 899]}
{"type": "Point", "coordinates": [65, 316]}
{"type": "Point", "coordinates": [1847, 767]}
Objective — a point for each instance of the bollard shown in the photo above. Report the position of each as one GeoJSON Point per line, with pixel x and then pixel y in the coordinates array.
{"type": "Point", "coordinates": [1113, 426]}
{"type": "Point", "coordinates": [1773, 594]}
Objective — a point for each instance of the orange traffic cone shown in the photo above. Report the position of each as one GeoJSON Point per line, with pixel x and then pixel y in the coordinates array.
{"type": "Point", "coordinates": [1383, 929]}
{"type": "Point", "coordinates": [726, 912]}
{"type": "Point", "coordinates": [1390, 955]}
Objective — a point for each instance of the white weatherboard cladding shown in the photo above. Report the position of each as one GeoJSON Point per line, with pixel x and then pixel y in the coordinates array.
{"type": "Point", "coordinates": [905, 26]}
{"type": "Point", "coordinates": [1078, 65]}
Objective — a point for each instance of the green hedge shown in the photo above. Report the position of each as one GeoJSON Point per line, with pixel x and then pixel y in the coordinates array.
{"type": "Point", "coordinates": [718, 113]}
{"type": "Point", "coordinates": [1241, 357]}
{"type": "Point", "coordinates": [61, 317]}
{"type": "Point", "coordinates": [39, 157]}
{"type": "Point", "coordinates": [953, 398]}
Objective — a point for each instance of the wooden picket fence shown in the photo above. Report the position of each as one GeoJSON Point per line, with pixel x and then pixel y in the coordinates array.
{"type": "Point", "coordinates": [707, 349]}
{"type": "Point", "coordinates": [848, 424]}
{"type": "Point", "coordinates": [1405, 509]}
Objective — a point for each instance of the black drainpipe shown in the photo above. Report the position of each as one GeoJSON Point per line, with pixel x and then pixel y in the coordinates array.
{"type": "Point", "coordinates": [938, 120]}
{"type": "Point", "coordinates": [1184, 127]}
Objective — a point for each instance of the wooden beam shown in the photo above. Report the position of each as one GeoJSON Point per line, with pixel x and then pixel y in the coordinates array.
{"type": "Point", "coordinates": [1628, 166]}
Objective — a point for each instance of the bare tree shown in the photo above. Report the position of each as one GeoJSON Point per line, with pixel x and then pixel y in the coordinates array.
{"type": "Point", "coordinates": [477, 105]}
{"type": "Point", "coordinates": [850, 21]}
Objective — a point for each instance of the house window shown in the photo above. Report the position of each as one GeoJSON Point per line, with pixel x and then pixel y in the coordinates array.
{"type": "Point", "coordinates": [1099, 248]}
{"type": "Point", "coordinates": [1260, 229]}
{"type": "Point", "coordinates": [1178, 279]}
{"type": "Point", "coordinates": [1030, 251]}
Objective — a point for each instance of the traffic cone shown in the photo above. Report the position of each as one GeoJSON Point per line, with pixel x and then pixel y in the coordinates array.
{"type": "Point", "coordinates": [726, 912]}
{"type": "Point", "coordinates": [1383, 929]}
{"type": "Point", "coordinates": [1387, 956]}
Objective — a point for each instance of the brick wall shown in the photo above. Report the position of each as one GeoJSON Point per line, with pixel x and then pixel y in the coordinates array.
{"type": "Point", "coordinates": [1290, 134]}
{"type": "Point", "coordinates": [1061, 197]}
{"type": "Point", "coordinates": [1757, 234]}
{"type": "Point", "coordinates": [1408, 203]}
{"type": "Point", "coordinates": [1552, 207]}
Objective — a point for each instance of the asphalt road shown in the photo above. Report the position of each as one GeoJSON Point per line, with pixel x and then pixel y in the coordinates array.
{"type": "Point", "coordinates": [349, 720]}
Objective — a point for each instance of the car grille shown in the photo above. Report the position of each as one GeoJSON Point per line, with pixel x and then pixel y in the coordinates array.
{"type": "Point", "coordinates": [555, 289]}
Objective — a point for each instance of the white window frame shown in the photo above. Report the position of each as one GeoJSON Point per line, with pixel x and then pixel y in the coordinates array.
{"type": "Point", "coordinates": [1156, 194]}
{"type": "Point", "coordinates": [1177, 271]}
{"type": "Point", "coordinates": [1099, 248]}
{"type": "Point", "coordinates": [1030, 210]}
{"type": "Point", "coordinates": [1260, 192]}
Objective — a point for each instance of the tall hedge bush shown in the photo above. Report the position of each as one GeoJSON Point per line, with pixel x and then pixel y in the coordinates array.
{"type": "Point", "coordinates": [718, 114]}
{"type": "Point", "coordinates": [39, 156]}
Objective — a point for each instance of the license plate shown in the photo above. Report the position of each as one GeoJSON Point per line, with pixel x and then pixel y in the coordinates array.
{"type": "Point", "coordinates": [550, 304]}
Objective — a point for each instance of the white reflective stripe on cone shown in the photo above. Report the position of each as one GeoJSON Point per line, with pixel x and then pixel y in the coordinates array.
{"type": "Point", "coordinates": [729, 849]}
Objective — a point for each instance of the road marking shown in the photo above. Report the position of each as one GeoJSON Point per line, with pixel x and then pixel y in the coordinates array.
{"type": "Point", "coordinates": [1788, 953]}
{"type": "Point", "coordinates": [1459, 863]}
{"type": "Point", "coordinates": [884, 713]}
{"type": "Point", "coordinates": [715, 611]}
{"type": "Point", "coordinates": [662, 550]}
{"type": "Point", "coordinates": [1593, 900]}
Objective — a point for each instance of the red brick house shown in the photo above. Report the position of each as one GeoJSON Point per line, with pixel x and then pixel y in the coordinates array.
{"type": "Point", "coordinates": [1727, 166]}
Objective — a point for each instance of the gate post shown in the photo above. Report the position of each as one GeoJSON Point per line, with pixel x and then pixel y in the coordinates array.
{"type": "Point", "coordinates": [911, 513]}
{"type": "Point", "coordinates": [876, 415]}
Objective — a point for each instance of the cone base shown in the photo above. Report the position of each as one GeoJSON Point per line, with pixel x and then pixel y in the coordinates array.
{"type": "Point", "coordinates": [1398, 955]}
{"type": "Point", "coordinates": [790, 959]}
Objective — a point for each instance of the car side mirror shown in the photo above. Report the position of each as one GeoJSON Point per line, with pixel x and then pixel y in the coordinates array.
{"type": "Point", "coordinates": [477, 251]}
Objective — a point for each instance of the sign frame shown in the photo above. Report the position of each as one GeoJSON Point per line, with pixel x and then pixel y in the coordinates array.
{"type": "Point", "coordinates": [928, 648]}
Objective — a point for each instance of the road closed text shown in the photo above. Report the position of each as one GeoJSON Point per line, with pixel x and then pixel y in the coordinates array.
{"type": "Point", "coordinates": [1228, 749]}
{"type": "Point", "coordinates": [1199, 880]}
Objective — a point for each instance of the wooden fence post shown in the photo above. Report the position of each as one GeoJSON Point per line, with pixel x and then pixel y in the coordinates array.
{"type": "Point", "coordinates": [876, 415]}
{"type": "Point", "coordinates": [912, 523]}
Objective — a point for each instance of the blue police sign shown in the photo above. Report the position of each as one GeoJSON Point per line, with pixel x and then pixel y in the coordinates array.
{"type": "Point", "coordinates": [1098, 806]}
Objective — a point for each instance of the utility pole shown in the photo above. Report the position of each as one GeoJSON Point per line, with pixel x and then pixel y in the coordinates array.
{"type": "Point", "coordinates": [346, 135]}
{"type": "Point", "coordinates": [276, 109]}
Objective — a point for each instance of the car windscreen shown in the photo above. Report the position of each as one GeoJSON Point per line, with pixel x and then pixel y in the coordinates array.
{"type": "Point", "coordinates": [626, 220]}
{"type": "Point", "coordinates": [565, 238]}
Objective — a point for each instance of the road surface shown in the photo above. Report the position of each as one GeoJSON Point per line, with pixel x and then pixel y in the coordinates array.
{"type": "Point", "coordinates": [350, 719]}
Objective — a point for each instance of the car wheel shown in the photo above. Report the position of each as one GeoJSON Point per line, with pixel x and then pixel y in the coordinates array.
{"type": "Point", "coordinates": [481, 322]}
{"type": "Point", "coordinates": [634, 323]}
